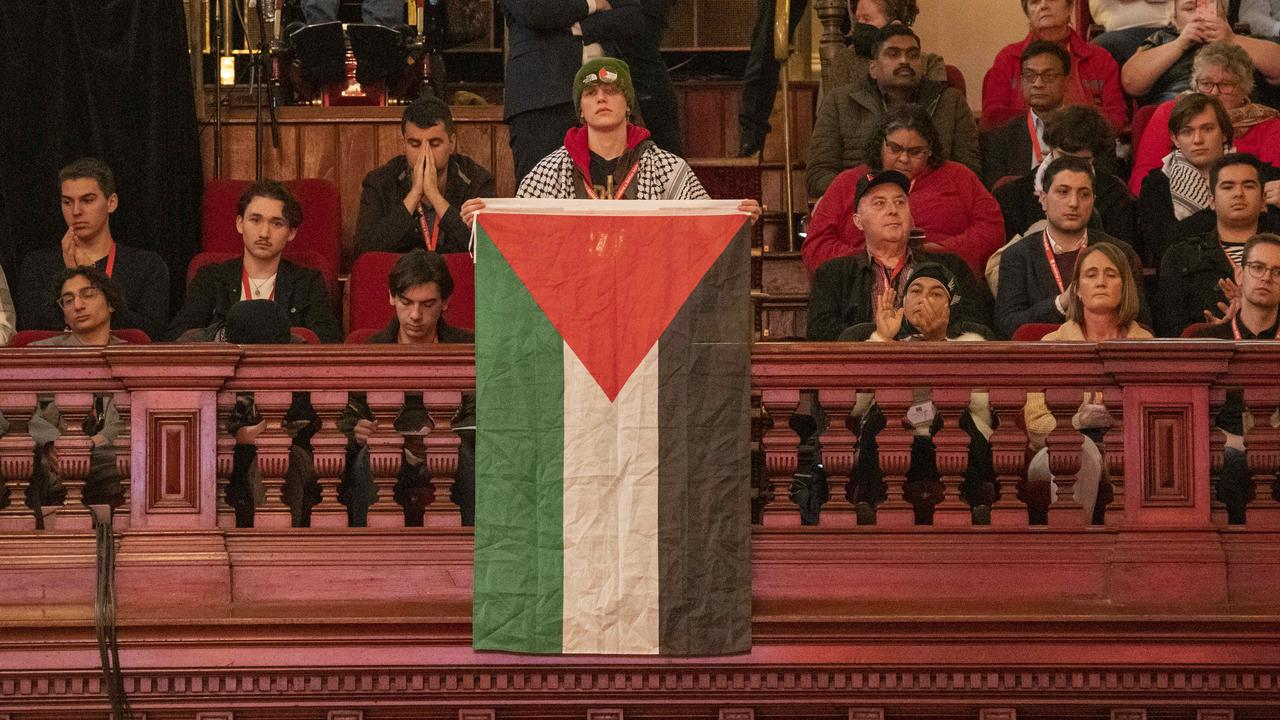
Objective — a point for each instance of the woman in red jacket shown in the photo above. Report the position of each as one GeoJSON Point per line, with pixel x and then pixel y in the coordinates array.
{"type": "Point", "coordinates": [949, 205]}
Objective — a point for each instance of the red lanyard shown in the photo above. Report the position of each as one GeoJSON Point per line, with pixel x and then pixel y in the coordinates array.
{"type": "Point", "coordinates": [111, 260]}
{"type": "Point", "coordinates": [1053, 263]}
{"type": "Point", "coordinates": [1235, 328]}
{"type": "Point", "coordinates": [621, 188]}
{"type": "Point", "coordinates": [432, 238]}
{"type": "Point", "coordinates": [1035, 138]}
{"type": "Point", "coordinates": [248, 293]}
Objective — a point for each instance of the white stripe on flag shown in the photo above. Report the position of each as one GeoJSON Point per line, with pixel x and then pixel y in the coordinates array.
{"type": "Point", "coordinates": [611, 511]}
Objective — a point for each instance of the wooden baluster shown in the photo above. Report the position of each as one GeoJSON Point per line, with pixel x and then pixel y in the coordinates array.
{"type": "Point", "coordinates": [809, 490]}
{"type": "Point", "coordinates": [5, 493]}
{"type": "Point", "coordinates": [780, 446]}
{"type": "Point", "coordinates": [838, 448]}
{"type": "Point", "coordinates": [895, 456]}
{"type": "Point", "coordinates": [357, 491]}
{"type": "Point", "coordinates": [951, 456]}
{"type": "Point", "coordinates": [761, 489]}
{"type": "Point", "coordinates": [46, 492]}
{"type": "Point", "coordinates": [1064, 457]}
{"type": "Point", "coordinates": [301, 487]}
{"type": "Point", "coordinates": [1009, 454]}
{"type": "Point", "coordinates": [245, 491]}
{"type": "Point", "coordinates": [1113, 456]}
{"type": "Point", "coordinates": [445, 462]}
{"type": "Point", "coordinates": [979, 484]}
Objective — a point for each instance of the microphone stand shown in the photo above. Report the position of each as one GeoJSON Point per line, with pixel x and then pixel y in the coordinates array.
{"type": "Point", "coordinates": [259, 69]}
{"type": "Point", "coordinates": [217, 89]}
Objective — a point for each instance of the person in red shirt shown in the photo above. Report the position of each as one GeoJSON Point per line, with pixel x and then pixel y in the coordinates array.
{"type": "Point", "coordinates": [1094, 79]}
{"type": "Point", "coordinates": [949, 204]}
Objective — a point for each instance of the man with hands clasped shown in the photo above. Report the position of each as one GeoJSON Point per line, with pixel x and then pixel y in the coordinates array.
{"type": "Point", "coordinates": [412, 201]}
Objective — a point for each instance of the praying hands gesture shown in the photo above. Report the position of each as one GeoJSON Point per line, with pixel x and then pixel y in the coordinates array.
{"type": "Point", "coordinates": [72, 255]}
{"type": "Point", "coordinates": [888, 317]}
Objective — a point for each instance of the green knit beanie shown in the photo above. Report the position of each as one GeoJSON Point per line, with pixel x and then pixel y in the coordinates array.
{"type": "Point", "coordinates": [607, 70]}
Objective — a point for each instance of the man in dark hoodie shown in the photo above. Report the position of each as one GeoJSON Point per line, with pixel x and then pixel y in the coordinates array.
{"type": "Point", "coordinates": [412, 201]}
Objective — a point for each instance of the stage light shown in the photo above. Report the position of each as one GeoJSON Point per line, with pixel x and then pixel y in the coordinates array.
{"type": "Point", "coordinates": [227, 70]}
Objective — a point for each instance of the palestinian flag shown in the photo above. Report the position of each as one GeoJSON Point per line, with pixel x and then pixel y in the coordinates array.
{"type": "Point", "coordinates": [612, 451]}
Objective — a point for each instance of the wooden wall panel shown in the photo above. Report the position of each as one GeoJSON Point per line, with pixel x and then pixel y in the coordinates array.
{"type": "Point", "coordinates": [357, 155]}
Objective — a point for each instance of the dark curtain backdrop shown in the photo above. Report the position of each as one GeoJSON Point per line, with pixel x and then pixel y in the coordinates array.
{"type": "Point", "coordinates": [107, 78]}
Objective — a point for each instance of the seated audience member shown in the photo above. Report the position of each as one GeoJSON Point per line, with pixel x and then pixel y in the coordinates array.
{"type": "Point", "coordinates": [1262, 17]}
{"type": "Point", "coordinates": [1161, 67]}
{"type": "Point", "coordinates": [1103, 299]}
{"type": "Point", "coordinates": [1094, 79]}
{"type": "Point", "coordinates": [949, 204]}
{"type": "Point", "coordinates": [412, 201]}
{"type": "Point", "coordinates": [88, 191]}
{"type": "Point", "coordinates": [1225, 72]}
{"type": "Point", "coordinates": [374, 12]}
{"type": "Point", "coordinates": [925, 312]}
{"type": "Point", "coordinates": [1075, 131]}
{"type": "Point", "coordinates": [849, 115]}
{"type": "Point", "coordinates": [1126, 23]}
{"type": "Point", "coordinates": [607, 157]}
{"type": "Point", "coordinates": [1012, 148]}
{"type": "Point", "coordinates": [1201, 134]}
{"type": "Point", "coordinates": [845, 289]}
{"type": "Point", "coordinates": [419, 287]}
{"type": "Point", "coordinates": [1196, 273]}
{"type": "Point", "coordinates": [8, 319]}
{"type": "Point", "coordinates": [88, 300]}
{"type": "Point", "coordinates": [852, 64]}
{"type": "Point", "coordinates": [1034, 270]}
{"type": "Point", "coordinates": [1254, 314]}
{"type": "Point", "coordinates": [267, 217]}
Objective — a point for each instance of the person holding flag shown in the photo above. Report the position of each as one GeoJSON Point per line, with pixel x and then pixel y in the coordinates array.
{"type": "Point", "coordinates": [607, 157]}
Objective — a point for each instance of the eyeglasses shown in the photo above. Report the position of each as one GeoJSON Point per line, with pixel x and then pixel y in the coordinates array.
{"type": "Point", "coordinates": [1258, 271]}
{"type": "Point", "coordinates": [1046, 77]}
{"type": "Point", "coordinates": [915, 153]}
{"type": "Point", "coordinates": [89, 292]}
{"type": "Point", "coordinates": [1224, 87]}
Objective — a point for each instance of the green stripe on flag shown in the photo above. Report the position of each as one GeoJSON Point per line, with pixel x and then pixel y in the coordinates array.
{"type": "Point", "coordinates": [519, 536]}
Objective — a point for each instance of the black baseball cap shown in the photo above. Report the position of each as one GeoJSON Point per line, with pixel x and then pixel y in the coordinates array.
{"type": "Point", "coordinates": [872, 179]}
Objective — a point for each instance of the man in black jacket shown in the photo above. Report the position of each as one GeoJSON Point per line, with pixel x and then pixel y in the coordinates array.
{"type": "Point", "coordinates": [1081, 131]}
{"type": "Point", "coordinates": [844, 288]}
{"type": "Point", "coordinates": [1196, 274]}
{"type": "Point", "coordinates": [412, 201]}
{"type": "Point", "coordinates": [547, 41]}
{"type": "Point", "coordinates": [1036, 271]}
{"type": "Point", "coordinates": [88, 197]}
{"type": "Point", "coordinates": [267, 216]}
{"type": "Point", "coordinates": [1011, 149]}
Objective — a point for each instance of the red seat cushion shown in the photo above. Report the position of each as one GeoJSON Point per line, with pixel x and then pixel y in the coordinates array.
{"type": "Point", "coordinates": [23, 338]}
{"type": "Point", "coordinates": [1033, 331]}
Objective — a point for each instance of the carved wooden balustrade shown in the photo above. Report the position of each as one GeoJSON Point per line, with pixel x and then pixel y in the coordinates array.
{"type": "Point", "coordinates": [1155, 604]}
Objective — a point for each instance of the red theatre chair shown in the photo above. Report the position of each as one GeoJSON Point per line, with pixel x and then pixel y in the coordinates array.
{"type": "Point", "coordinates": [319, 238]}
{"type": "Point", "coordinates": [23, 338]}
{"type": "Point", "coordinates": [1030, 332]}
{"type": "Point", "coordinates": [955, 79]}
{"type": "Point", "coordinates": [368, 308]}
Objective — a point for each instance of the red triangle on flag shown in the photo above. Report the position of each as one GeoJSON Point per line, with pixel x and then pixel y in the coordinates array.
{"type": "Point", "coordinates": [610, 284]}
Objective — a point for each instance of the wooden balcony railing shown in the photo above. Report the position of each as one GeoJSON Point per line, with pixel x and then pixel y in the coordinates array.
{"type": "Point", "coordinates": [1018, 605]}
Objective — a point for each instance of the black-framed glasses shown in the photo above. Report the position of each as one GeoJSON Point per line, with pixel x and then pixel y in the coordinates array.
{"type": "Point", "coordinates": [915, 153]}
{"type": "Point", "coordinates": [1260, 270]}
{"type": "Point", "coordinates": [88, 292]}
{"type": "Point", "coordinates": [1046, 77]}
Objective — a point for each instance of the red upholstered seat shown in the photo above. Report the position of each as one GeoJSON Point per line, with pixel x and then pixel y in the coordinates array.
{"type": "Point", "coordinates": [319, 236]}
{"type": "Point", "coordinates": [1191, 330]}
{"type": "Point", "coordinates": [1033, 331]}
{"type": "Point", "coordinates": [361, 336]}
{"type": "Point", "coordinates": [369, 309]}
{"type": "Point", "coordinates": [1141, 118]}
{"type": "Point", "coordinates": [23, 338]}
